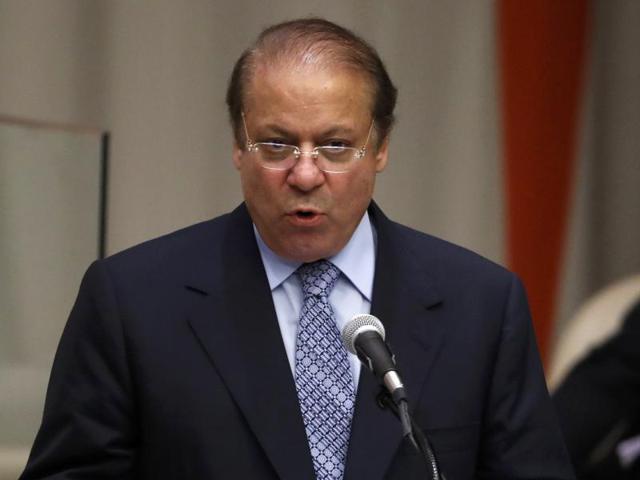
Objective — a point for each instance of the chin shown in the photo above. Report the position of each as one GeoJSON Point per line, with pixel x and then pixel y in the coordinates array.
{"type": "Point", "coordinates": [306, 253]}
{"type": "Point", "coordinates": [305, 256]}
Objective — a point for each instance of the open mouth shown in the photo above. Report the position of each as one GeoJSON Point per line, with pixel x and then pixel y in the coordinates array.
{"type": "Point", "coordinates": [305, 214]}
{"type": "Point", "coordinates": [307, 218]}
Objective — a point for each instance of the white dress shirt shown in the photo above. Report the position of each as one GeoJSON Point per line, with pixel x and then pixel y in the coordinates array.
{"type": "Point", "coordinates": [350, 296]}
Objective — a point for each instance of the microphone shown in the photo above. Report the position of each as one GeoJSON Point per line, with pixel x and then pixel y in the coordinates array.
{"type": "Point", "coordinates": [364, 336]}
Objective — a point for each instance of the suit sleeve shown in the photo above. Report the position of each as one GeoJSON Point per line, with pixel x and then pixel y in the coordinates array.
{"type": "Point", "coordinates": [87, 430]}
{"type": "Point", "coordinates": [598, 401]}
{"type": "Point", "coordinates": [522, 439]}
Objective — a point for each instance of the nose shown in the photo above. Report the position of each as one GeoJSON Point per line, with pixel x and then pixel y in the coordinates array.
{"type": "Point", "coordinates": [305, 174]}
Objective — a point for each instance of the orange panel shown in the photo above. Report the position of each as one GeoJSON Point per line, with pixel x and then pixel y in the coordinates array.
{"type": "Point", "coordinates": [542, 52]}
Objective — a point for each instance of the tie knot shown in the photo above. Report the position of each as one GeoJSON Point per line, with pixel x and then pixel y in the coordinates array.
{"type": "Point", "coordinates": [318, 278]}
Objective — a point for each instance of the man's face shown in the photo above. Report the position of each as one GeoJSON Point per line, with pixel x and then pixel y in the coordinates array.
{"type": "Point", "coordinates": [303, 213]}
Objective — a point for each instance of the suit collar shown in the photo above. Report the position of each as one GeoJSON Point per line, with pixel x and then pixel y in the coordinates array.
{"type": "Point", "coordinates": [407, 301]}
{"type": "Point", "coordinates": [241, 334]}
{"type": "Point", "coordinates": [236, 324]}
{"type": "Point", "coordinates": [355, 260]}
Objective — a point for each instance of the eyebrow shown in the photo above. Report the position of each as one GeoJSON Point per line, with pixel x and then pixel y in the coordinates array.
{"type": "Point", "coordinates": [278, 130]}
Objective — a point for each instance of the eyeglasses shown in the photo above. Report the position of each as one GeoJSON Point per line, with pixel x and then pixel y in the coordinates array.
{"type": "Point", "coordinates": [328, 158]}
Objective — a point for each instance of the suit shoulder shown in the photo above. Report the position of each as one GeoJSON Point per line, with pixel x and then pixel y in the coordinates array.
{"type": "Point", "coordinates": [207, 231]}
{"type": "Point", "coordinates": [170, 250]}
{"type": "Point", "coordinates": [446, 258]}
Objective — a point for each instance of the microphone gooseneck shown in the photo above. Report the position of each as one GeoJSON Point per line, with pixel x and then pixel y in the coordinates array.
{"type": "Point", "coordinates": [364, 336]}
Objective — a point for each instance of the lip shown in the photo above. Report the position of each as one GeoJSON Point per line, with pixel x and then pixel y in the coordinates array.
{"type": "Point", "coordinates": [312, 218]}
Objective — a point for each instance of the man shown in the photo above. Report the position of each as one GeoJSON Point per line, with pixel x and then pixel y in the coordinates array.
{"type": "Point", "coordinates": [214, 352]}
{"type": "Point", "coordinates": [599, 406]}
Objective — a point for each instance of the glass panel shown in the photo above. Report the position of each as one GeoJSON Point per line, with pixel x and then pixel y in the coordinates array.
{"type": "Point", "coordinates": [51, 228]}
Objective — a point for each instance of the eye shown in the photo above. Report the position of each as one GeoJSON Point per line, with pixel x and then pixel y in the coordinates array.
{"type": "Point", "coordinates": [274, 151]}
{"type": "Point", "coordinates": [336, 143]}
{"type": "Point", "coordinates": [275, 141]}
{"type": "Point", "coordinates": [276, 145]}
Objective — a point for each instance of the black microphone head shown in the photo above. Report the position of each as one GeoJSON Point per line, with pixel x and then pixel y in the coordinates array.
{"type": "Point", "coordinates": [357, 325]}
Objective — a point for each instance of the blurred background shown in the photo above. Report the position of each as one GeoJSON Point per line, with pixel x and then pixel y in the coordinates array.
{"type": "Point", "coordinates": [518, 136]}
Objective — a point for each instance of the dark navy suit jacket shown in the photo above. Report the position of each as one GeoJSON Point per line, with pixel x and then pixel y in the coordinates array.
{"type": "Point", "coordinates": [172, 366]}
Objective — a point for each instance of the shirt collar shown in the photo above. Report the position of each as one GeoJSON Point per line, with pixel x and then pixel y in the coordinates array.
{"type": "Point", "coordinates": [356, 260]}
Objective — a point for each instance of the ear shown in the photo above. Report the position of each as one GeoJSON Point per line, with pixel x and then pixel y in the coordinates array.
{"type": "Point", "coordinates": [237, 156]}
{"type": "Point", "coordinates": [382, 155]}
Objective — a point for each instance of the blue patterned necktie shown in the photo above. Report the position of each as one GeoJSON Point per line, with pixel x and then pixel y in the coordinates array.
{"type": "Point", "coordinates": [323, 375]}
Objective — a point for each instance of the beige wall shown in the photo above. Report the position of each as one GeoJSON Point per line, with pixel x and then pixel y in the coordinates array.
{"type": "Point", "coordinates": [154, 74]}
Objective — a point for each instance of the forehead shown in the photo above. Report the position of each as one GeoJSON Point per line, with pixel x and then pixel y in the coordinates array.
{"type": "Point", "coordinates": [307, 93]}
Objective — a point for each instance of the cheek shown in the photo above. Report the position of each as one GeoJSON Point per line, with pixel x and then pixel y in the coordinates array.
{"type": "Point", "coordinates": [259, 189]}
{"type": "Point", "coordinates": [355, 195]}
{"type": "Point", "coordinates": [362, 185]}
{"type": "Point", "coordinates": [251, 177]}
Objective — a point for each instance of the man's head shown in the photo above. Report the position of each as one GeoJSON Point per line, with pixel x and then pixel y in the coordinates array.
{"type": "Point", "coordinates": [313, 42]}
{"type": "Point", "coordinates": [309, 83]}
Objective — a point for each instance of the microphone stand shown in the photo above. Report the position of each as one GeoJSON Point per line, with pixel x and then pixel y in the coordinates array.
{"type": "Point", "coordinates": [413, 432]}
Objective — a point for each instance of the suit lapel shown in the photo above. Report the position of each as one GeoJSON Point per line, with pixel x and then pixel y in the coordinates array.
{"type": "Point", "coordinates": [406, 301]}
{"type": "Point", "coordinates": [237, 326]}
{"type": "Point", "coordinates": [235, 322]}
